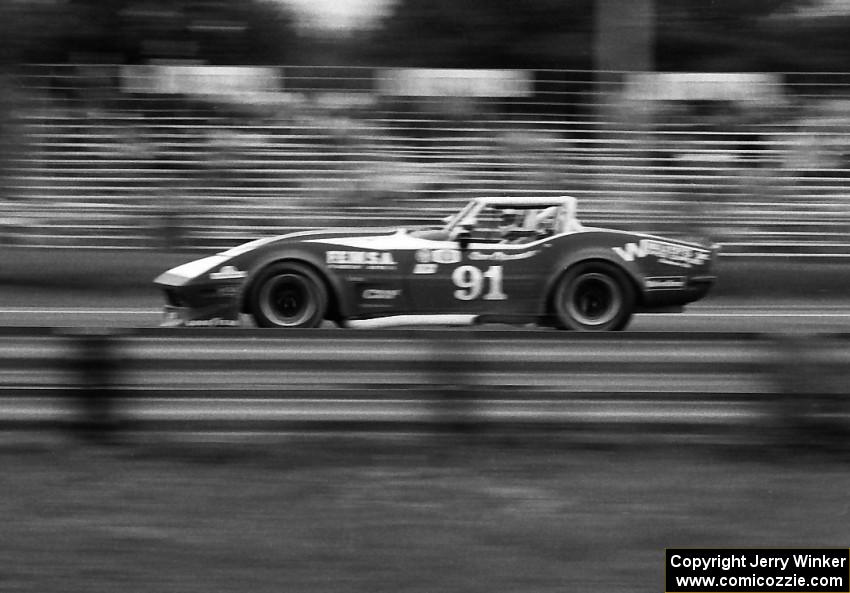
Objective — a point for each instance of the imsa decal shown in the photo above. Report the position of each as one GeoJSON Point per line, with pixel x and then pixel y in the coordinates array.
{"type": "Point", "coordinates": [373, 260]}
{"type": "Point", "coordinates": [667, 253]}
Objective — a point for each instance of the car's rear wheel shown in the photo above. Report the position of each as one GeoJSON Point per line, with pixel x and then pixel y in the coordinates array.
{"type": "Point", "coordinates": [288, 295]}
{"type": "Point", "coordinates": [594, 297]}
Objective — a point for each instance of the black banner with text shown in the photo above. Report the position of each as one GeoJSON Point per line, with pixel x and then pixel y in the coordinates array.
{"type": "Point", "coordinates": [757, 570]}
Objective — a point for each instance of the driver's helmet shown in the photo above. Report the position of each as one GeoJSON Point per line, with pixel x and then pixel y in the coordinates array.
{"type": "Point", "coordinates": [512, 219]}
{"type": "Point", "coordinates": [546, 219]}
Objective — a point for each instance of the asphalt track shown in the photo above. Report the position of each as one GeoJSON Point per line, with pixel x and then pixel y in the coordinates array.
{"type": "Point", "coordinates": [719, 315]}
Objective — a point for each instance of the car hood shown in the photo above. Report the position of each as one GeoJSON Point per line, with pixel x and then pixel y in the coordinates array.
{"type": "Point", "coordinates": [379, 239]}
{"type": "Point", "coordinates": [314, 235]}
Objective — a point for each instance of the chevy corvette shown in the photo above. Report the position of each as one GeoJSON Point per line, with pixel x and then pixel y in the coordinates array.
{"type": "Point", "coordinates": [511, 260]}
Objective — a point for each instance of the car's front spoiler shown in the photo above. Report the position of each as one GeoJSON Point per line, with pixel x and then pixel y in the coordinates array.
{"type": "Point", "coordinates": [208, 317]}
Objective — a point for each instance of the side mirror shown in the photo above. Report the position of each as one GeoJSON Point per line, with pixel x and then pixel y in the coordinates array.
{"type": "Point", "coordinates": [463, 232]}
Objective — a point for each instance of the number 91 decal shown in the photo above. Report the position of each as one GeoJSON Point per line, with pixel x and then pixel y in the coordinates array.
{"type": "Point", "coordinates": [472, 283]}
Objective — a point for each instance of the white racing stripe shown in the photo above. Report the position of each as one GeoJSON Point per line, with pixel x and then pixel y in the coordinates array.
{"type": "Point", "coordinates": [393, 242]}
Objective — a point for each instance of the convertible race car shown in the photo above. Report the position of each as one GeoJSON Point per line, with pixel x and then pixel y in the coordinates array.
{"type": "Point", "coordinates": [513, 260]}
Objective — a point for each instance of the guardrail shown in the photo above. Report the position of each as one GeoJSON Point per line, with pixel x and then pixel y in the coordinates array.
{"type": "Point", "coordinates": [750, 387]}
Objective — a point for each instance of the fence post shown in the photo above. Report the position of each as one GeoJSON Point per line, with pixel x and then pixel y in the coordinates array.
{"type": "Point", "coordinates": [94, 368]}
{"type": "Point", "coordinates": [455, 389]}
{"type": "Point", "coordinates": [811, 405]}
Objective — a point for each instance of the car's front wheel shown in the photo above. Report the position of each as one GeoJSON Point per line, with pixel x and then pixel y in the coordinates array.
{"type": "Point", "coordinates": [288, 295]}
{"type": "Point", "coordinates": [594, 297]}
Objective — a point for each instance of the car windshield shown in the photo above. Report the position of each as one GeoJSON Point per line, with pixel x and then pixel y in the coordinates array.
{"type": "Point", "coordinates": [510, 222]}
{"type": "Point", "coordinates": [458, 216]}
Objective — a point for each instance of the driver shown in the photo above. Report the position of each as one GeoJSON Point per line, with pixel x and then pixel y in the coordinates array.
{"type": "Point", "coordinates": [513, 227]}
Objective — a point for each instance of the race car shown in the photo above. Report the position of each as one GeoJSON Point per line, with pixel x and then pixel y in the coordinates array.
{"type": "Point", "coordinates": [500, 259]}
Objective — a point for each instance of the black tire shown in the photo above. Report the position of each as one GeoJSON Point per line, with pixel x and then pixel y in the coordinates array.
{"type": "Point", "coordinates": [594, 297]}
{"type": "Point", "coordinates": [288, 295]}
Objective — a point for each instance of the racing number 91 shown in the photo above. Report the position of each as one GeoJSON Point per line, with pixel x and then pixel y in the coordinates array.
{"type": "Point", "coordinates": [472, 282]}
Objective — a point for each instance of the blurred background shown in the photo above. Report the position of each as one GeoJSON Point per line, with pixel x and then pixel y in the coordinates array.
{"type": "Point", "coordinates": [200, 124]}
{"type": "Point", "coordinates": [133, 132]}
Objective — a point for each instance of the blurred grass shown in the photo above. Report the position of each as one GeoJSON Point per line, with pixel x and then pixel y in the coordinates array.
{"type": "Point", "coordinates": [417, 515]}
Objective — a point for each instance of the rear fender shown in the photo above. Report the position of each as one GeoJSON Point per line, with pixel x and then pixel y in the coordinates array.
{"type": "Point", "coordinates": [598, 254]}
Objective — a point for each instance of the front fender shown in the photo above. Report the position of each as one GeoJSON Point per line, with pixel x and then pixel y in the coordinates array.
{"type": "Point", "coordinates": [261, 261]}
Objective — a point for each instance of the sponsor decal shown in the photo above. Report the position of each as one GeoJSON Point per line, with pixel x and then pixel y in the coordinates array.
{"type": "Point", "coordinates": [664, 282]}
{"type": "Point", "coordinates": [445, 256]}
{"type": "Point", "coordinates": [231, 290]}
{"type": "Point", "coordinates": [501, 256]}
{"type": "Point", "coordinates": [380, 294]}
{"type": "Point", "coordinates": [373, 260]}
{"type": "Point", "coordinates": [667, 253]}
{"type": "Point", "coordinates": [425, 269]}
{"type": "Point", "coordinates": [437, 256]}
{"type": "Point", "coordinates": [214, 322]}
{"type": "Point", "coordinates": [228, 273]}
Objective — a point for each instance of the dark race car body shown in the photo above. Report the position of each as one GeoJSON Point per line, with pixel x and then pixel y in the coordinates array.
{"type": "Point", "coordinates": [502, 259]}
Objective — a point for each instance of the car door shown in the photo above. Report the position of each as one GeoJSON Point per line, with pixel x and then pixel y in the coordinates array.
{"type": "Point", "coordinates": [372, 273]}
{"type": "Point", "coordinates": [484, 276]}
